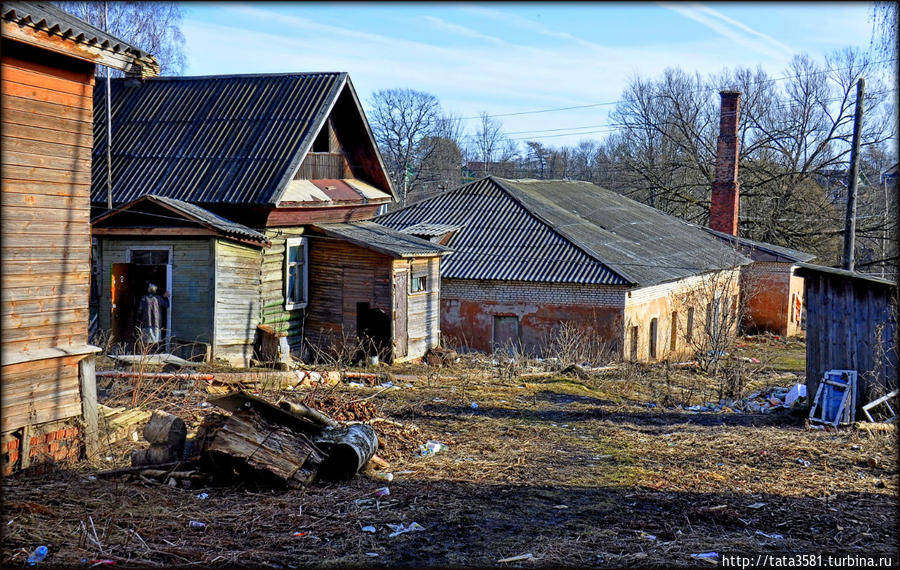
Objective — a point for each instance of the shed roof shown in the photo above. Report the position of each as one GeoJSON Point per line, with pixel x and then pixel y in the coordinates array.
{"type": "Point", "coordinates": [190, 212]}
{"type": "Point", "coordinates": [383, 239]}
{"type": "Point", "coordinates": [55, 21]}
{"type": "Point", "coordinates": [563, 231]}
{"type": "Point", "coordinates": [787, 254]}
{"type": "Point", "coordinates": [231, 139]}
{"type": "Point", "coordinates": [806, 269]}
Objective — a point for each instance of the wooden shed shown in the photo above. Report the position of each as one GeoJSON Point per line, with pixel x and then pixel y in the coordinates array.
{"type": "Point", "coordinates": [48, 63]}
{"type": "Point", "coordinates": [220, 278]}
{"type": "Point", "coordinates": [851, 324]}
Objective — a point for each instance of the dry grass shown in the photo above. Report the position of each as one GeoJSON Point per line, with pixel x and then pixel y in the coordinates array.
{"type": "Point", "coordinates": [575, 470]}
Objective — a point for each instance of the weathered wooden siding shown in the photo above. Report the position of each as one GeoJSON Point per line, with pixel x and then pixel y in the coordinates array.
{"type": "Point", "coordinates": [341, 275]}
{"type": "Point", "coordinates": [237, 300]}
{"type": "Point", "coordinates": [272, 310]}
{"type": "Point", "coordinates": [850, 326]}
{"type": "Point", "coordinates": [424, 308]}
{"type": "Point", "coordinates": [45, 160]}
{"type": "Point", "coordinates": [191, 278]}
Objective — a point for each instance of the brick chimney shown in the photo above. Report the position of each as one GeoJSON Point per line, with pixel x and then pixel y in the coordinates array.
{"type": "Point", "coordinates": [723, 211]}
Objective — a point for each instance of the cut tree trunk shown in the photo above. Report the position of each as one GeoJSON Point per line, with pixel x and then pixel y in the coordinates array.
{"type": "Point", "coordinates": [348, 449]}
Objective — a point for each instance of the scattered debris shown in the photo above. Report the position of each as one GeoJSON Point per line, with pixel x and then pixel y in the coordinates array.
{"type": "Point", "coordinates": [886, 400]}
{"type": "Point", "coordinates": [803, 462]}
{"type": "Point", "coordinates": [528, 556]}
{"type": "Point", "coordinates": [382, 492]}
{"type": "Point", "coordinates": [369, 528]}
{"type": "Point", "coordinates": [773, 536]}
{"type": "Point", "coordinates": [197, 524]}
{"type": "Point", "coordinates": [835, 399]}
{"type": "Point", "coordinates": [755, 506]}
{"type": "Point", "coordinates": [432, 447]}
{"type": "Point", "coordinates": [705, 555]}
{"type": "Point", "coordinates": [39, 554]}
{"type": "Point", "coordinates": [403, 529]}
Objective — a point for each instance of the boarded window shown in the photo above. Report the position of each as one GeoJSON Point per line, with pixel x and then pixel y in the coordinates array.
{"type": "Point", "coordinates": [673, 342]}
{"type": "Point", "coordinates": [506, 332]}
{"type": "Point", "coordinates": [295, 273]}
{"type": "Point", "coordinates": [654, 326]}
{"type": "Point", "coordinates": [689, 332]}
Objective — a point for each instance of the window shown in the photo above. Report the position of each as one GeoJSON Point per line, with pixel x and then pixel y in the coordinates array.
{"type": "Point", "coordinates": [674, 340]}
{"type": "Point", "coordinates": [634, 343]}
{"type": "Point", "coordinates": [654, 325]}
{"type": "Point", "coordinates": [418, 284]}
{"type": "Point", "coordinates": [689, 331]}
{"type": "Point", "coordinates": [295, 274]}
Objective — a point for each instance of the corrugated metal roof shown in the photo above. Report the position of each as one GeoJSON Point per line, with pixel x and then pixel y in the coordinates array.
{"type": "Point", "coordinates": [193, 213]}
{"type": "Point", "coordinates": [55, 21]}
{"type": "Point", "coordinates": [788, 254]}
{"type": "Point", "coordinates": [805, 269]}
{"type": "Point", "coordinates": [218, 139]}
{"type": "Point", "coordinates": [426, 229]}
{"type": "Point", "coordinates": [501, 239]}
{"type": "Point", "coordinates": [383, 239]}
{"type": "Point", "coordinates": [563, 231]}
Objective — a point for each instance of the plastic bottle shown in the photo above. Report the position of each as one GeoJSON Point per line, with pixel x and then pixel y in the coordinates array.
{"type": "Point", "coordinates": [38, 555]}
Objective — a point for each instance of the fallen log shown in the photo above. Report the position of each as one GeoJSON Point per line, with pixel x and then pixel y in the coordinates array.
{"type": "Point", "coordinates": [132, 469]}
{"type": "Point", "coordinates": [348, 449]}
{"type": "Point", "coordinates": [251, 444]}
{"type": "Point", "coordinates": [309, 413]}
{"type": "Point", "coordinates": [166, 429]}
{"type": "Point", "coordinates": [156, 454]}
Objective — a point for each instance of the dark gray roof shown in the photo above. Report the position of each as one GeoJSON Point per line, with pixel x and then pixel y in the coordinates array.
{"type": "Point", "coordinates": [383, 239]}
{"type": "Point", "coordinates": [223, 139]}
{"type": "Point", "coordinates": [52, 19]}
{"type": "Point", "coordinates": [779, 252]}
{"type": "Point", "coordinates": [563, 231]}
{"type": "Point", "coordinates": [805, 269]}
{"type": "Point", "coordinates": [193, 213]}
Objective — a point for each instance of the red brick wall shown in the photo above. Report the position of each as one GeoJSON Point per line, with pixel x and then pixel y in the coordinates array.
{"type": "Point", "coordinates": [723, 213]}
{"type": "Point", "coordinates": [53, 444]}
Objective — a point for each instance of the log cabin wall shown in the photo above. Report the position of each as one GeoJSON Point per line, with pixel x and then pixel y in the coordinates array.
{"type": "Point", "coordinates": [341, 275]}
{"type": "Point", "coordinates": [47, 117]}
{"type": "Point", "coordinates": [851, 325]}
{"type": "Point", "coordinates": [423, 319]}
{"type": "Point", "coordinates": [191, 295]}
{"type": "Point", "coordinates": [237, 300]}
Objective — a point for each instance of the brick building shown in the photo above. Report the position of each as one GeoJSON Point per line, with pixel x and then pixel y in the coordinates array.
{"type": "Point", "coordinates": [529, 255]}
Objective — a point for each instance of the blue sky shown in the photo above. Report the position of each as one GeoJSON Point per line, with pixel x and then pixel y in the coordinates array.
{"type": "Point", "coordinates": [511, 57]}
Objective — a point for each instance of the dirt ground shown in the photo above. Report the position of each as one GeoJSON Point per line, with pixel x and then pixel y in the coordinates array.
{"type": "Point", "coordinates": [599, 470]}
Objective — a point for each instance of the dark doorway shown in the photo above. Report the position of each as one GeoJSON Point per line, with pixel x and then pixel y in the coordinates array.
{"type": "Point", "coordinates": [130, 282]}
{"type": "Point", "coordinates": [373, 325]}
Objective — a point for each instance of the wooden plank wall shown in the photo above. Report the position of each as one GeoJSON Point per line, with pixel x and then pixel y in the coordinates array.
{"type": "Point", "coordinates": [272, 288]}
{"type": "Point", "coordinates": [849, 327]}
{"type": "Point", "coordinates": [47, 126]}
{"type": "Point", "coordinates": [424, 314]}
{"type": "Point", "coordinates": [237, 300]}
{"type": "Point", "coordinates": [342, 274]}
{"type": "Point", "coordinates": [191, 278]}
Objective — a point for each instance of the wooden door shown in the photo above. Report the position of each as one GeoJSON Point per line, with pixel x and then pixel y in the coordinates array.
{"type": "Point", "coordinates": [401, 292]}
{"type": "Point", "coordinates": [506, 333]}
{"type": "Point", "coordinates": [120, 294]}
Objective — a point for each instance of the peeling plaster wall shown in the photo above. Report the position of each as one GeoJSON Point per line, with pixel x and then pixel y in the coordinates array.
{"type": "Point", "coordinates": [771, 287]}
{"type": "Point", "coordinates": [468, 308]}
{"type": "Point", "coordinates": [658, 302]}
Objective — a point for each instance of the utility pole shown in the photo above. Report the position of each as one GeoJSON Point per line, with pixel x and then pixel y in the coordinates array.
{"type": "Point", "coordinates": [850, 225]}
{"type": "Point", "coordinates": [109, 202]}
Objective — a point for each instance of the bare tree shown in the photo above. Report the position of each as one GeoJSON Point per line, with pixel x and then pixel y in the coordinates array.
{"type": "Point", "coordinates": [407, 125]}
{"type": "Point", "coordinates": [154, 27]}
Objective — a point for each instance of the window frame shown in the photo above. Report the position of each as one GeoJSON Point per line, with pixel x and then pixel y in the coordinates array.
{"type": "Point", "coordinates": [412, 279]}
{"type": "Point", "coordinates": [290, 305]}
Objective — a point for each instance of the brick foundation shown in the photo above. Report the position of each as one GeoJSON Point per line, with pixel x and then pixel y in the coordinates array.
{"type": "Point", "coordinates": [50, 444]}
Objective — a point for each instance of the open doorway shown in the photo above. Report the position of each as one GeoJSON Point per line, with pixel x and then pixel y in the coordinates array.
{"type": "Point", "coordinates": [144, 265]}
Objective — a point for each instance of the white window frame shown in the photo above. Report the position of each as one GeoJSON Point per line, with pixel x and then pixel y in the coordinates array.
{"type": "Point", "coordinates": [288, 243]}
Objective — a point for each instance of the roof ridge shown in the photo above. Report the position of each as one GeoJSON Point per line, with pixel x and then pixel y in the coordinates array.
{"type": "Point", "coordinates": [236, 76]}
{"type": "Point", "coordinates": [512, 191]}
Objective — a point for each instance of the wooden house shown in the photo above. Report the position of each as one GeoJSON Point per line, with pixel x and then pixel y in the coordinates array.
{"type": "Point", "coordinates": [851, 325]}
{"type": "Point", "coordinates": [530, 255]}
{"type": "Point", "coordinates": [246, 197]}
{"type": "Point", "coordinates": [48, 63]}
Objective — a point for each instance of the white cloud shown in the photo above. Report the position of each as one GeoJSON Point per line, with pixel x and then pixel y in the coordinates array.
{"type": "Point", "coordinates": [458, 30]}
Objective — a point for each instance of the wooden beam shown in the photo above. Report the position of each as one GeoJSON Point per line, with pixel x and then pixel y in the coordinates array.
{"type": "Point", "coordinates": [153, 232]}
{"type": "Point", "coordinates": [86, 375]}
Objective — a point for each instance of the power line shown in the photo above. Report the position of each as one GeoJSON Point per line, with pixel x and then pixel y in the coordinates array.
{"type": "Point", "coordinates": [700, 90]}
